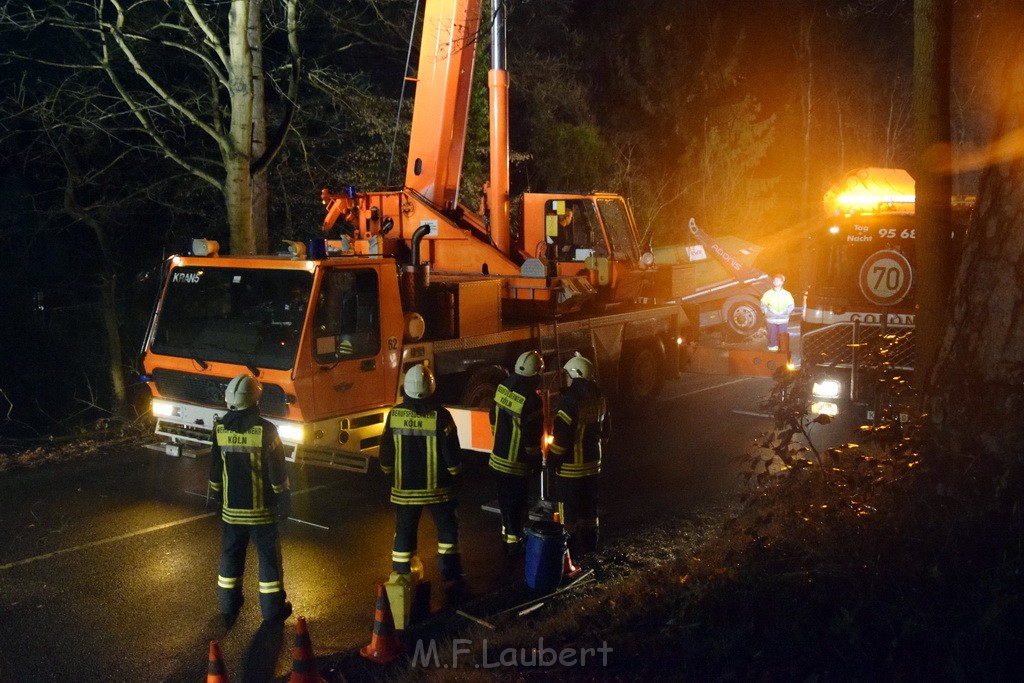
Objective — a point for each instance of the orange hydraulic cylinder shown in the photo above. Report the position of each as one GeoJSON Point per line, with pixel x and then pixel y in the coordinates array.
{"type": "Point", "coordinates": [497, 193]}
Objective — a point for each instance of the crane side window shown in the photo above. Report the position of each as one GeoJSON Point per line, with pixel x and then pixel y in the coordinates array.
{"type": "Point", "coordinates": [347, 319]}
{"type": "Point", "coordinates": [579, 233]}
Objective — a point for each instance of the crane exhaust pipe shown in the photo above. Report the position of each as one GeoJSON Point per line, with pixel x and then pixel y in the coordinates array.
{"type": "Point", "coordinates": [416, 276]}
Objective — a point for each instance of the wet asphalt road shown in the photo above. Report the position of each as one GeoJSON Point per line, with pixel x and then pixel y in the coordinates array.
{"type": "Point", "coordinates": [108, 565]}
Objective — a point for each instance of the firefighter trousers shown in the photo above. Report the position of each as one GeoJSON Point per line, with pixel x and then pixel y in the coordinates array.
{"type": "Point", "coordinates": [513, 493]}
{"type": "Point", "coordinates": [578, 509]}
{"type": "Point", "coordinates": [407, 521]}
{"type": "Point", "coordinates": [235, 543]}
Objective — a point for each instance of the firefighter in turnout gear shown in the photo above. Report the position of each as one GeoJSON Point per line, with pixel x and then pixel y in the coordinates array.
{"type": "Point", "coordinates": [248, 479]}
{"type": "Point", "coordinates": [581, 426]}
{"type": "Point", "coordinates": [420, 448]}
{"type": "Point", "coordinates": [517, 421]}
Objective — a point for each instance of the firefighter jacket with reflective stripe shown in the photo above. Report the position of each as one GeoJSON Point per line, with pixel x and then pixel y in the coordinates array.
{"type": "Point", "coordinates": [420, 447]}
{"type": "Point", "coordinates": [777, 305]}
{"type": "Point", "coordinates": [581, 424]}
{"type": "Point", "coordinates": [517, 421]}
{"type": "Point", "coordinates": [247, 468]}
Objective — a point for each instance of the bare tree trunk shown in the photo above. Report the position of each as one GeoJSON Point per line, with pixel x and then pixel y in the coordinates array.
{"type": "Point", "coordinates": [238, 145]}
{"type": "Point", "coordinates": [115, 357]}
{"type": "Point", "coordinates": [108, 290]}
{"type": "Point", "coordinates": [933, 221]}
{"type": "Point", "coordinates": [807, 107]}
{"type": "Point", "coordinates": [978, 395]}
{"type": "Point", "coordinates": [260, 196]}
{"type": "Point", "coordinates": [840, 130]}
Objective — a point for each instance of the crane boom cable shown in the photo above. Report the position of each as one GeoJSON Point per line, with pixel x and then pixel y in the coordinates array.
{"type": "Point", "coordinates": [401, 96]}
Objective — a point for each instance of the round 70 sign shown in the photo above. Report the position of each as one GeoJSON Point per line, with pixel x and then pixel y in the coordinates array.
{"type": "Point", "coordinates": [885, 277]}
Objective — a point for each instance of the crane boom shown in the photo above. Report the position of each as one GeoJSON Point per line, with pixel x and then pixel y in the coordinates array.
{"type": "Point", "coordinates": [441, 105]}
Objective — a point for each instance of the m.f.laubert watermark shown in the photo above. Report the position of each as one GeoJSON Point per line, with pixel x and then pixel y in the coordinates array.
{"type": "Point", "coordinates": [427, 654]}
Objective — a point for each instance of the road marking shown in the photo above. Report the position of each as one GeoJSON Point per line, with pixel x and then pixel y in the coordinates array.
{"type": "Point", "coordinates": [294, 493]}
{"type": "Point", "coordinates": [302, 521]}
{"type": "Point", "coordinates": [751, 413]}
{"type": "Point", "coordinates": [105, 541]}
{"type": "Point", "coordinates": [715, 386]}
{"type": "Point", "coordinates": [132, 534]}
{"type": "Point", "coordinates": [313, 488]}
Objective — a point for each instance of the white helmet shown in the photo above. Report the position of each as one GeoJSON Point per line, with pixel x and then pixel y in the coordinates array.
{"type": "Point", "coordinates": [419, 382]}
{"type": "Point", "coordinates": [243, 392]}
{"type": "Point", "coordinates": [529, 364]}
{"type": "Point", "coordinates": [579, 367]}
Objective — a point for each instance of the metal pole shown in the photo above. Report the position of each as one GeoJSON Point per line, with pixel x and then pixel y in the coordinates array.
{"type": "Point", "coordinates": [853, 364]}
{"type": "Point", "coordinates": [545, 398]}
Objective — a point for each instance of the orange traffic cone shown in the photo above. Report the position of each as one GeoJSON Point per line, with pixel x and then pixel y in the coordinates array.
{"type": "Point", "coordinates": [215, 671]}
{"type": "Point", "coordinates": [303, 660]}
{"type": "Point", "coordinates": [569, 570]}
{"type": "Point", "coordinates": [384, 646]}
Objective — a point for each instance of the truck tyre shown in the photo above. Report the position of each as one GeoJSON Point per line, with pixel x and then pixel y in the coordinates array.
{"type": "Point", "coordinates": [641, 375]}
{"type": "Point", "coordinates": [742, 317]}
{"type": "Point", "coordinates": [479, 389]}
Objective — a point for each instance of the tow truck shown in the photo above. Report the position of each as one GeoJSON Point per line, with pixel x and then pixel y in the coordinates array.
{"type": "Point", "coordinates": [862, 287]}
{"type": "Point", "coordinates": [715, 280]}
{"type": "Point", "coordinates": [406, 276]}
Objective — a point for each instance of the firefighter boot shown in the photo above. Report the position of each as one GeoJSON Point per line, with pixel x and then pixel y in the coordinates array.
{"type": "Point", "coordinates": [514, 549]}
{"type": "Point", "coordinates": [230, 614]}
{"type": "Point", "coordinates": [283, 613]}
{"type": "Point", "coordinates": [451, 567]}
{"type": "Point", "coordinates": [230, 618]}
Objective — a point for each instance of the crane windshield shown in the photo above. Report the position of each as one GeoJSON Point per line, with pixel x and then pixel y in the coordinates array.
{"type": "Point", "coordinates": [248, 316]}
{"type": "Point", "coordinates": [619, 228]}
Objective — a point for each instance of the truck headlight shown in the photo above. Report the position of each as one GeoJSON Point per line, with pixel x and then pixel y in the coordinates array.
{"type": "Point", "coordinates": [824, 408]}
{"type": "Point", "coordinates": [293, 433]}
{"type": "Point", "coordinates": [162, 408]}
{"type": "Point", "coordinates": [827, 388]}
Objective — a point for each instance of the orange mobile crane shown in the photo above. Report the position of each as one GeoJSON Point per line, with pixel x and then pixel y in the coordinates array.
{"type": "Point", "coordinates": [410, 275]}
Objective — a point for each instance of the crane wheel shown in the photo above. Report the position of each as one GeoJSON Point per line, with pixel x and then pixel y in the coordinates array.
{"type": "Point", "coordinates": [641, 375]}
{"type": "Point", "coordinates": [478, 392]}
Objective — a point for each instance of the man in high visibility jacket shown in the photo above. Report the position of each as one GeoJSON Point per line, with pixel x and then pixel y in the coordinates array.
{"type": "Point", "coordinates": [581, 427]}
{"type": "Point", "coordinates": [517, 421]}
{"type": "Point", "coordinates": [248, 479]}
{"type": "Point", "coordinates": [777, 304]}
{"type": "Point", "coordinates": [420, 448]}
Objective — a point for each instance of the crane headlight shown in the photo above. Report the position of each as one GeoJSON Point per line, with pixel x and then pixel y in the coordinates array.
{"type": "Point", "coordinates": [162, 408]}
{"type": "Point", "coordinates": [292, 433]}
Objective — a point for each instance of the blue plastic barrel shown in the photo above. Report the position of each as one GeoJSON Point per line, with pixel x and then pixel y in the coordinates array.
{"type": "Point", "coordinates": [545, 555]}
